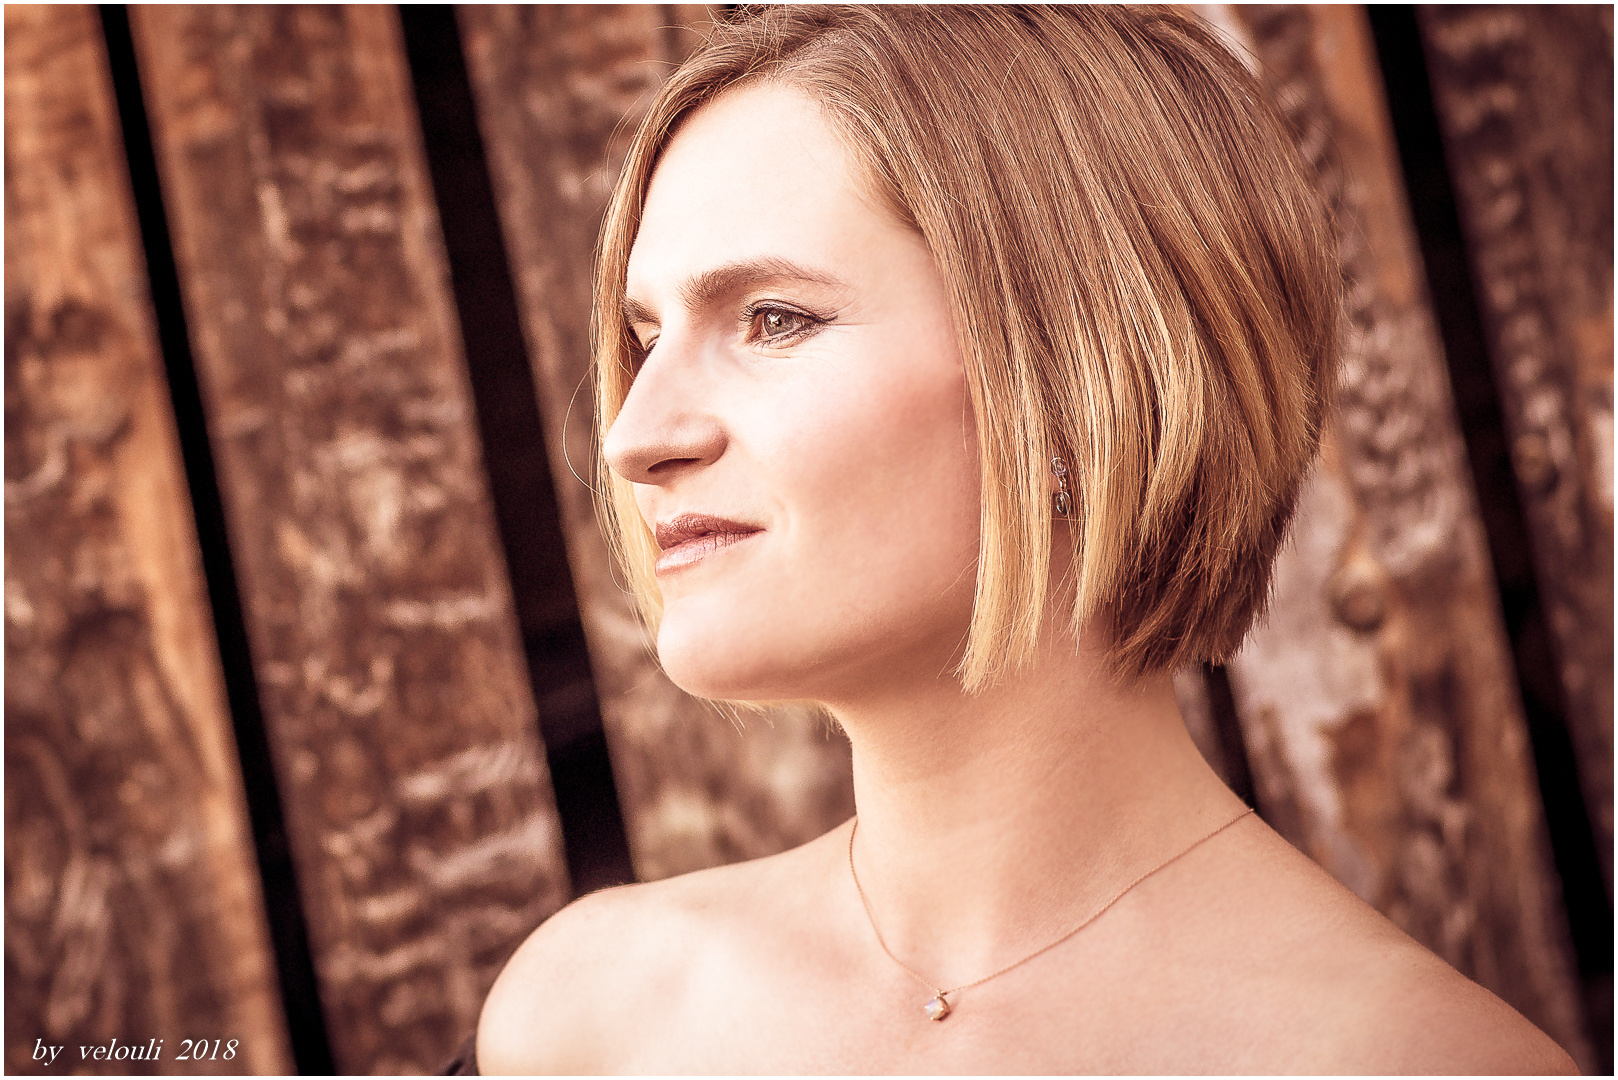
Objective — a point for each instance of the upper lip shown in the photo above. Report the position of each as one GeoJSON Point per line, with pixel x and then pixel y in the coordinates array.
{"type": "Point", "coordinates": [677, 530]}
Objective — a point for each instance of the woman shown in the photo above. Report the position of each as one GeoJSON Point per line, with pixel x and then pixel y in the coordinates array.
{"type": "Point", "coordinates": [957, 370]}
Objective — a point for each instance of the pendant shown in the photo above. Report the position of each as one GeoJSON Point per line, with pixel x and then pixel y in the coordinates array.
{"type": "Point", "coordinates": [937, 1008]}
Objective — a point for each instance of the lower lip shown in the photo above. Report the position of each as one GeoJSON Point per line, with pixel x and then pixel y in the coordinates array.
{"type": "Point", "coordinates": [694, 551]}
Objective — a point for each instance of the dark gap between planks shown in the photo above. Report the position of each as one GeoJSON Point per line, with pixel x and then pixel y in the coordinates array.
{"type": "Point", "coordinates": [504, 391]}
{"type": "Point", "coordinates": [1222, 709]}
{"type": "Point", "coordinates": [289, 936]}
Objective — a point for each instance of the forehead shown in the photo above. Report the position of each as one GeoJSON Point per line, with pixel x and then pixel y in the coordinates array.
{"type": "Point", "coordinates": [755, 174]}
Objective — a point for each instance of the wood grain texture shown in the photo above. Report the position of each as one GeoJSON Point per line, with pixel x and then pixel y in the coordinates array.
{"type": "Point", "coordinates": [560, 90]}
{"type": "Point", "coordinates": [133, 906]}
{"type": "Point", "coordinates": [1378, 701]}
{"type": "Point", "coordinates": [1524, 97]}
{"type": "Point", "coordinates": [376, 600]}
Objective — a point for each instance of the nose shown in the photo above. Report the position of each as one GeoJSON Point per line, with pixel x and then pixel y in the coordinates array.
{"type": "Point", "coordinates": [667, 425]}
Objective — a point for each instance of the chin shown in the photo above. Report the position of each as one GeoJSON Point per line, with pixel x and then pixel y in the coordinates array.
{"type": "Point", "coordinates": [708, 669]}
{"type": "Point", "coordinates": [727, 661]}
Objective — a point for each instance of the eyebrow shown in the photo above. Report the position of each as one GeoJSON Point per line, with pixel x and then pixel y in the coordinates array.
{"type": "Point", "coordinates": [711, 285]}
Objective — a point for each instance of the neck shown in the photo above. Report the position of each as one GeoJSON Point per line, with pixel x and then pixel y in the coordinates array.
{"type": "Point", "coordinates": [991, 823]}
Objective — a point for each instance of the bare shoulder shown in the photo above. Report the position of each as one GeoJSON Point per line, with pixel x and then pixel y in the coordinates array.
{"type": "Point", "coordinates": [1413, 1013]}
{"type": "Point", "coordinates": [542, 1010]}
{"type": "Point", "coordinates": [606, 954]}
{"type": "Point", "coordinates": [1334, 986]}
{"type": "Point", "coordinates": [596, 975]}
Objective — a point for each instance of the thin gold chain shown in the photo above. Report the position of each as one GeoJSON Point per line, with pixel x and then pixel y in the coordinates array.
{"type": "Point", "coordinates": [929, 984]}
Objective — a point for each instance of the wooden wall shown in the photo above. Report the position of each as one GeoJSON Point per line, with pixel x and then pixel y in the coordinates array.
{"type": "Point", "coordinates": [236, 315]}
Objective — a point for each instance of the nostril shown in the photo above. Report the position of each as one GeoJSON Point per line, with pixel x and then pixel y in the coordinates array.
{"type": "Point", "coordinates": [672, 464]}
{"type": "Point", "coordinates": [653, 449]}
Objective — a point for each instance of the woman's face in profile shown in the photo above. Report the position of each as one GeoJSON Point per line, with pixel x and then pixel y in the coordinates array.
{"type": "Point", "coordinates": [799, 435]}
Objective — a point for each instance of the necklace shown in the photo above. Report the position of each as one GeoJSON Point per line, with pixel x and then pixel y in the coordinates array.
{"type": "Point", "coordinates": [939, 1007]}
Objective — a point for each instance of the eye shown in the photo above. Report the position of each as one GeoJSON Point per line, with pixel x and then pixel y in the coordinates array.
{"type": "Point", "coordinates": [640, 348]}
{"type": "Point", "coordinates": [778, 326]}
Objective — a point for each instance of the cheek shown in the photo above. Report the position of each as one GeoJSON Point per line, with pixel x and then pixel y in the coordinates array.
{"type": "Point", "coordinates": [873, 484]}
{"type": "Point", "coordinates": [897, 485]}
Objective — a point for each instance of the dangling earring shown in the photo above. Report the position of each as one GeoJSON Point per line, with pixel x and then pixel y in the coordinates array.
{"type": "Point", "coordinates": [1064, 501]}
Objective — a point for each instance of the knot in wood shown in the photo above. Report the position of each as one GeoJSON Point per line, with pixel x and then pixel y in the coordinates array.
{"type": "Point", "coordinates": [1356, 595]}
{"type": "Point", "coordinates": [1536, 466]}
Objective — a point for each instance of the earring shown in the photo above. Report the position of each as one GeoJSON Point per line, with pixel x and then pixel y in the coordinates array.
{"type": "Point", "coordinates": [1064, 501]}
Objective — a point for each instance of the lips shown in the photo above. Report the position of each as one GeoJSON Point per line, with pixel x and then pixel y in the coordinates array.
{"type": "Point", "coordinates": [691, 537]}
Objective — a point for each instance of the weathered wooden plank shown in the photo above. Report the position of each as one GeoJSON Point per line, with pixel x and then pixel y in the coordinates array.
{"type": "Point", "coordinates": [377, 606]}
{"type": "Point", "coordinates": [559, 91]}
{"type": "Point", "coordinates": [1524, 97]}
{"type": "Point", "coordinates": [133, 907]}
{"type": "Point", "coordinates": [1378, 701]}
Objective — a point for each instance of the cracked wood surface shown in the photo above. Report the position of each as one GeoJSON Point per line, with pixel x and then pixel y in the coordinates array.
{"type": "Point", "coordinates": [1524, 97]}
{"type": "Point", "coordinates": [559, 92]}
{"type": "Point", "coordinates": [133, 905]}
{"type": "Point", "coordinates": [374, 589]}
{"type": "Point", "coordinates": [1379, 707]}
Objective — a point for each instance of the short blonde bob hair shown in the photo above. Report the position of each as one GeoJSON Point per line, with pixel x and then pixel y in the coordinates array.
{"type": "Point", "coordinates": [1142, 278]}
